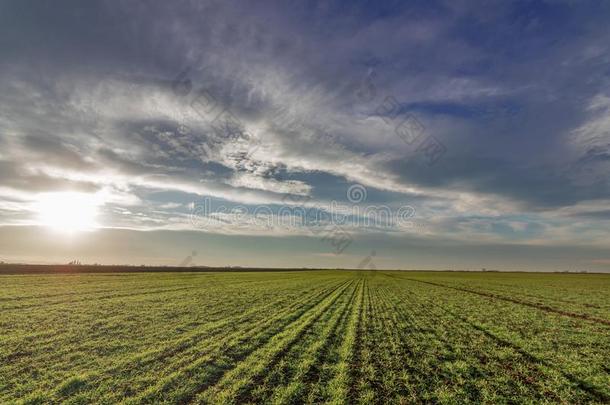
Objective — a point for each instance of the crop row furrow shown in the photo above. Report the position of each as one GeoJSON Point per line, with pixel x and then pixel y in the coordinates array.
{"type": "Point", "coordinates": [566, 362]}
{"type": "Point", "coordinates": [518, 302]}
{"type": "Point", "coordinates": [338, 387]}
{"type": "Point", "coordinates": [184, 383]}
{"type": "Point", "coordinates": [237, 381]}
{"type": "Point", "coordinates": [57, 336]}
{"type": "Point", "coordinates": [328, 359]}
{"type": "Point", "coordinates": [166, 365]}
{"type": "Point", "coordinates": [434, 345]}
{"type": "Point", "coordinates": [284, 379]}
{"type": "Point", "coordinates": [532, 370]}
{"type": "Point", "coordinates": [134, 367]}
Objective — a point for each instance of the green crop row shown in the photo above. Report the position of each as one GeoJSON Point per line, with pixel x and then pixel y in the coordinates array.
{"type": "Point", "coordinates": [305, 337]}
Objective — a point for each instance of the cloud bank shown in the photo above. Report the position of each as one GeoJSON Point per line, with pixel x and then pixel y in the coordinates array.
{"type": "Point", "coordinates": [153, 107]}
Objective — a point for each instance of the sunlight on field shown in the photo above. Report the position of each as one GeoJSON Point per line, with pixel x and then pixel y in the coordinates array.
{"type": "Point", "coordinates": [305, 337]}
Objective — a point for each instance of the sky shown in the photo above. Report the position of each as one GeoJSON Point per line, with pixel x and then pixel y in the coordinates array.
{"type": "Point", "coordinates": [353, 134]}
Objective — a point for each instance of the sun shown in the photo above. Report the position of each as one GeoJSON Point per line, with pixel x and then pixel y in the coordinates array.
{"type": "Point", "coordinates": [68, 212]}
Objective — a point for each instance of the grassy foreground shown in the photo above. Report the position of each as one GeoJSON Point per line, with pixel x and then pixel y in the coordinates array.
{"type": "Point", "coordinates": [305, 337]}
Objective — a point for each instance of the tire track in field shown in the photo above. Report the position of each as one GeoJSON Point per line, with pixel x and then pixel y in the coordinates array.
{"type": "Point", "coordinates": [238, 380]}
{"type": "Point", "coordinates": [411, 351]}
{"type": "Point", "coordinates": [536, 361]}
{"type": "Point", "coordinates": [589, 388]}
{"type": "Point", "coordinates": [307, 359]}
{"type": "Point", "coordinates": [512, 289]}
{"type": "Point", "coordinates": [425, 321]}
{"type": "Point", "coordinates": [176, 384]}
{"type": "Point", "coordinates": [188, 343]}
{"type": "Point", "coordinates": [514, 301]}
{"type": "Point", "coordinates": [533, 360]}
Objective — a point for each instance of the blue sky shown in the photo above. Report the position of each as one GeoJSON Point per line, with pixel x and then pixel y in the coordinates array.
{"type": "Point", "coordinates": [490, 120]}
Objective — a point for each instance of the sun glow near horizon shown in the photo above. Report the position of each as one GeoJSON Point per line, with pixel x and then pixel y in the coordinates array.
{"type": "Point", "coordinates": [68, 212]}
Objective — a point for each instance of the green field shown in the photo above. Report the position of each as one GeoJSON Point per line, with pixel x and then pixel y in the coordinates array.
{"type": "Point", "coordinates": [305, 337]}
